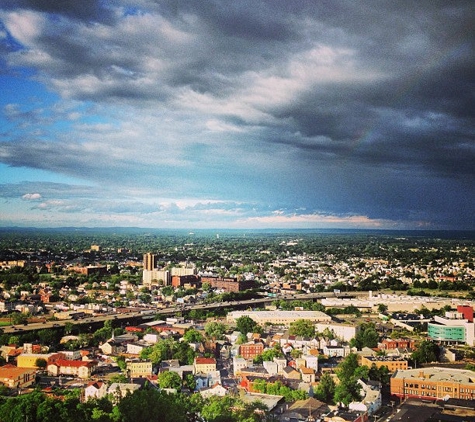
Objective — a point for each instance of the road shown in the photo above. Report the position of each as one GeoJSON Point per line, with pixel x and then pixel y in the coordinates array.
{"type": "Point", "coordinates": [173, 310]}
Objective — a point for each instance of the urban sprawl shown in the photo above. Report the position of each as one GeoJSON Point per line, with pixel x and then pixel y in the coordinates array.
{"type": "Point", "coordinates": [236, 326]}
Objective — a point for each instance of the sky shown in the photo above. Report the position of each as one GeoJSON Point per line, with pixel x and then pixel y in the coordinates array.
{"type": "Point", "coordinates": [237, 114]}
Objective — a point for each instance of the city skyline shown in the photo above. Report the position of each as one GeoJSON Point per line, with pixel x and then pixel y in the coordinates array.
{"type": "Point", "coordinates": [174, 114]}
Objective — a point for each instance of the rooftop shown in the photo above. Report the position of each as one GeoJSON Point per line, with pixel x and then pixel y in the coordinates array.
{"type": "Point", "coordinates": [438, 374]}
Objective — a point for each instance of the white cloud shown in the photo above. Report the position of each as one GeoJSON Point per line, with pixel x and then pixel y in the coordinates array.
{"type": "Point", "coordinates": [31, 197]}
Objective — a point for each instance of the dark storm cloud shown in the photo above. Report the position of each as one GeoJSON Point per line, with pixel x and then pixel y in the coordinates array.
{"type": "Point", "coordinates": [87, 10]}
{"type": "Point", "coordinates": [355, 107]}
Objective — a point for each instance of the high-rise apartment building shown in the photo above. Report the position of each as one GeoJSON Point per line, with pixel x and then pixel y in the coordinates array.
{"type": "Point", "coordinates": [149, 261]}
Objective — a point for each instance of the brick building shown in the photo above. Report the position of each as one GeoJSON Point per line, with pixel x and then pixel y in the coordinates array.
{"type": "Point", "coordinates": [228, 284]}
{"type": "Point", "coordinates": [251, 350]}
{"type": "Point", "coordinates": [434, 384]}
{"type": "Point", "coordinates": [392, 363]}
{"type": "Point", "coordinates": [185, 280]}
{"type": "Point", "coordinates": [400, 343]}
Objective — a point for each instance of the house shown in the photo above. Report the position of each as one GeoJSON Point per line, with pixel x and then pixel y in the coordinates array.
{"type": "Point", "coordinates": [281, 364]}
{"type": "Point", "coordinates": [311, 362]}
{"type": "Point", "coordinates": [201, 382]}
{"type": "Point", "coordinates": [135, 348]}
{"type": "Point", "coordinates": [248, 380]}
{"type": "Point", "coordinates": [14, 377]}
{"type": "Point", "coordinates": [371, 400]}
{"type": "Point", "coordinates": [308, 374]}
{"type": "Point", "coordinates": [151, 338]}
{"type": "Point", "coordinates": [336, 351]}
{"type": "Point", "coordinates": [238, 365]}
{"type": "Point", "coordinates": [271, 367]}
{"type": "Point", "coordinates": [10, 352]}
{"type": "Point", "coordinates": [71, 355]}
{"type": "Point", "coordinates": [95, 390]}
{"type": "Point", "coordinates": [401, 343]}
{"type": "Point", "coordinates": [204, 365]}
{"type": "Point", "coordinates": [346, 415]}
{"type": "Point", "coordinates": [78, 368]}
{"type": "Point", "coordinates": [112, 347]}
{"type": "Point", "coordinates": [216, 390]}
{"type": "Point", "coordinates": [302, 410]}
{"type": "Point", "coordinates": [182, 370]}
{"type": "Point", "coordinates": [207, 380]}
{"type": "Point", "coordinates": [290, 373]}
{"type": "Point", "coordinates": [119, 390]}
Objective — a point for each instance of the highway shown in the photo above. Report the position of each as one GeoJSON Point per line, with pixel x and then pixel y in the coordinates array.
{"type": "Point", "coordinates": [18, 329]}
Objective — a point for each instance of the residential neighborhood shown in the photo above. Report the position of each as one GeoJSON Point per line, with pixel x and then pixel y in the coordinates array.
{"type": "Point", "coordinates": [333, 353]}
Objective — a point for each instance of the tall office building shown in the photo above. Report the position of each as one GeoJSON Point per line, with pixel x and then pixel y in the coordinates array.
{"type": "Point", "coordinates": [149, 261]}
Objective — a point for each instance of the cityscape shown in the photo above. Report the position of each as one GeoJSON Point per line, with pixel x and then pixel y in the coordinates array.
{"type": "Point", "coordinates": [238, 325]}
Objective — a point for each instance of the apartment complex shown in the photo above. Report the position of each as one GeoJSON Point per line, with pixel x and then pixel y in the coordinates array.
{"type": "Point", "coordinates": [156, 277]}
{"type": "Point", "coordinates": [434, 384]}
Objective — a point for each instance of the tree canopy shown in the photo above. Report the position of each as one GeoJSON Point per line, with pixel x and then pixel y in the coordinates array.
{"type": "Point", "coordinates": [246, 325]}
{"type": "Point", "coordinates": [302, 327]}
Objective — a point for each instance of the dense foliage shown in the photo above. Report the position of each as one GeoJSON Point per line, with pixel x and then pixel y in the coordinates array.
{"type": "Point", "coordinates": [143, 405]}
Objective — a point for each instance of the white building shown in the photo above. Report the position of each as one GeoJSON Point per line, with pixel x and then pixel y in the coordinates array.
{"type": "Point", "coordinates": [156, 277]}
{"type": "Point", "coordinates": [336, 351]}
{"type": "Point", "coordinates": [216, 390]}
{"type": "Point", "coordinates": [371, 400]}
{"type": "Point", "coordinates": [311, 362]}
{"type": "Point", "coordinates": [279, 317]}
{"type": "Point", "coordinates": [95, 390]}
{"type": "Point", "coordinates": [270, 367]}
{"type": "Point", "coordinates": [239, 364]}
{"type": "Point", "coordinates": [135, 348]}
{"type": "Point", "coordinates": [344, 332]}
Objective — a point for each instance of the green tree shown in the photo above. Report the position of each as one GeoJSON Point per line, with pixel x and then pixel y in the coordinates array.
{"type": "Point", "coordinates": [246, 325]}
{"type": "Point", "coordinates": [168, 349]}
{"type": "Point", "coordinates": [120, 360]}
{"type": "Point", "coordinates": [426, 352]}
{"type": "Point", "coordinates": [189, 381]}
{"type": "Point", "coordinates": [118, 378]}
{"type": "Point", "coordinates": [193, 336]}
{"type": "Point", "coordinates": [366, 337]}
{"type": "Point", "coordinates": [302, 327]}
{"type": "Point", "coordinates": [380, 374]}
{"type": "Point", "coordinates": [348, 373]}
{"type": "Point", "coordinates": [169, 379]}
{"type": "Point", "coordinates": [269, 355]}
{"type": "Point", "coordinates": [147, 405]}
{"type": "Point", "coordinates": [68, 327]}
{"type": "Point", "coordinates": [218, 409]}
{"type": "Point", "coordinates": [326, 389]}
{"type": "Point", "coordinates": [41, 363]}
{"type": "Point", "coordinates": [19, 318]}
{"type": "Point", "coordinates": [215, 330]}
